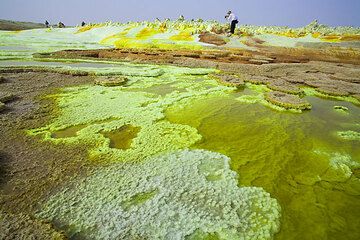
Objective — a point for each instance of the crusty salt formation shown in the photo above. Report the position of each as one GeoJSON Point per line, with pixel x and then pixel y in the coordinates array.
{"type": "Point", "coordinates": [170, 196]}
{"type": "Point", "coordinates": [349, 135]}
{"type": "Point", "coordinates": [341, 109]}
{"type": "Point", "coordinates": [340, 168]}
{"type": "Point", "coordinates": [212, 39]}
{"type": "Point", "coordinates": [285, 87]}
{"type": "Point", "coordinates": [22, 226]}
{"type": "Point", "coordinates": [5, 97]}
{"type": "Point", "coordinates": [110, 81]}
{"type": "Point", "coordinates": [230, 80]}
{"type": "Point", "coordinates": [276, 100]}
{"type": "Point", "coordinates": [287, 101]}
{"type": "Point", "coordinates": [88, 111]}
{"type": "Point", "coordinates": [2, 106]}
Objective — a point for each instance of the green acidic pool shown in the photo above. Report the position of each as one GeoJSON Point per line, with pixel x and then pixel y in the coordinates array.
{"type": "Point", "coordinates": [297, 158]}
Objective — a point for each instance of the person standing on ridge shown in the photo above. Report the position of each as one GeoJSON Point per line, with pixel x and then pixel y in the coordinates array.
{"type": "Point", "coordinates": [61, 25]}
{"type": "Point", "coordinates": [233, 19]}
{"type": "Point", "coordinates": [181, 18]}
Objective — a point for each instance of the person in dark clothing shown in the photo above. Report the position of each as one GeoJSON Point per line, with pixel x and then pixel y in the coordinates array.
{"type": "Point", "coordinates": [83, 24]}
{"type": "Point", "coordinates": [233, 19]}
{"type": "Point", "coordinates": [61, 25]}
{"type": "Point", "coordinates": [47, 24]}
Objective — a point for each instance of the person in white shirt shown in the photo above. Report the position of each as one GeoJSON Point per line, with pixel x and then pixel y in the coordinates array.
{"type": "Point", "coordinates": [233, 19]}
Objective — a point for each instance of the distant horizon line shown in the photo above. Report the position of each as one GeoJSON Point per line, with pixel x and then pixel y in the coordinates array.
{"type": "Point", "coordinates": [205, 20]}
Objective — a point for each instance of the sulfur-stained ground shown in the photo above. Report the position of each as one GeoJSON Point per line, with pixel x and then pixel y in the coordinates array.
{"type": "Point", "coordinates": [32, 170]}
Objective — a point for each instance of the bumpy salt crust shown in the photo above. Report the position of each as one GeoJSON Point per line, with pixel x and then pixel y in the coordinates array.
{"type": "Point", "coordinates": [340, 167]}
{"type": "Point", "coordinates": [165, 197]}
{"type": "Point", "coordinates": [2, 106]}
{"type": "Point", "coordinates": [107, 109]}
{"type": "Point", "coordinates": [258, 97]}
{"type": "Point", "coordinates": [22, 226]}
{"type": "Point", "coordinates": [349, 135]}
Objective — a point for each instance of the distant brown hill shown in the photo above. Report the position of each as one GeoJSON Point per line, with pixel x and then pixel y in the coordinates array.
{"type": "Point", "coordinates": [14, 25]}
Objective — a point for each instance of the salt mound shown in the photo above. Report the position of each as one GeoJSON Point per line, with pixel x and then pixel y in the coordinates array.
{"type": "Point", "coordinates": [171, 196]}
{"type": "Point", "coordinates": [287, 101]}
{"type": "Point", "coordinates": [212, 39]}
{"type": "Point", "coordinates": [109, 81]}
{"type": "Point", "coordinates": [2, 106]}
{"type": "Point", "coordinates": [5, 97]}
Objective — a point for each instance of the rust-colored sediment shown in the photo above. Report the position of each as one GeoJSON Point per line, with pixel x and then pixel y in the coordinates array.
{"type": "Point", "coordinates": [331, 71]}
{"type": "Point", "coordinates": [264, 55]}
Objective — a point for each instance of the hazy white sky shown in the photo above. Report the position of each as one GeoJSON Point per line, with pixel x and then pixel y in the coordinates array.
{"type": "Point", "coordinates": [259, 12]}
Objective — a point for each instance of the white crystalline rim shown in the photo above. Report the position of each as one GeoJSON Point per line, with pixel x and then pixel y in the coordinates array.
{"type": "Point", "coordinates": [187, 191]}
